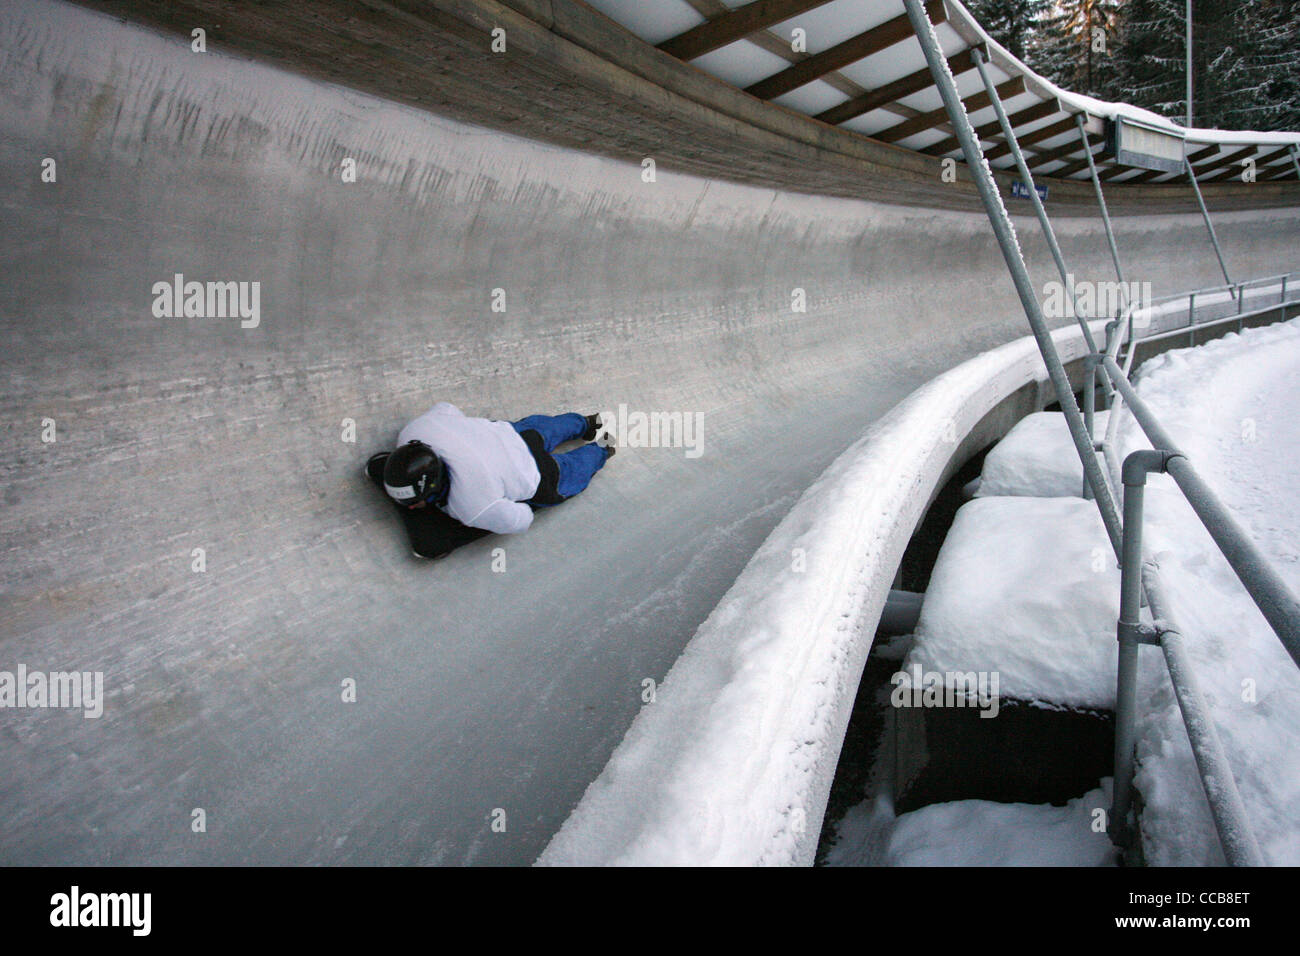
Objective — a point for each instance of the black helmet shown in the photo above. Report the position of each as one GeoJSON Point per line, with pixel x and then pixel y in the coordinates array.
{"type": "Point", "coordinates": [414, 474]}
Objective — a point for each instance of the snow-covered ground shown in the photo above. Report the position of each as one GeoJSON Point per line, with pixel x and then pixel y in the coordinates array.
{"type": "Point", "coordinates": [977, 833]}
{"type": "Point", "coordinates": [1232, 406]}
{"type": "Point", "coordinates": [1036, 458]}
{"type": "Point", "coordinates": [1010, 592]}
{"type": "Point", "coordinates": [1170, 313]}
{"type": "Point", "coordinates": [1027, 589]}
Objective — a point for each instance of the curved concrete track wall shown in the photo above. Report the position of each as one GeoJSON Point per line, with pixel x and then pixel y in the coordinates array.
{"type": "Point", "coordinates": [476, 690]}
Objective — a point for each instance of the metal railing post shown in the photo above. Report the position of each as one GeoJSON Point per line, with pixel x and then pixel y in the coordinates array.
{"type": "Point", "coordinates": [1090, 362]}
{"type": "Point", "coordinates": [1240, 847]}
{"type": "Point", "coordinates": [1000, 222]}
{"type": "Point", "coordinates": [1009, 134]}
{"type": "Point", "coordinates": [1295, 159]}
{"type": "Point", "coordinates": [1101, 203]}
{"type": "Point", "coordinates": [1205, 213]}
{"type": "Point", "coordinates": [1130, 634]}
{"type": "Point", "coordinates": [1265, 586]}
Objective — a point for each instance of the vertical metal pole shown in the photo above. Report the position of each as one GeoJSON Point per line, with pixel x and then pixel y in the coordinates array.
{"type": "Point", "coordinates": [1236, 835]}
{"type": "Point", "coordinates": [1111, 329]}
{"type": "Point", "coordinates": [1205, 213]}
{"type": "Point", "coordinates": [1049, 233]}
{"type": "Point", "coordinates": [1189, 64]}
{"type": "Point", "coordinates": [1127, 633]}
{"type": "Point", "coordinates": [1089, 406]}
{"type": "Point", "coordinates": [1101, 202]}
{"type": "Point", "coordinates": [1000, 222]}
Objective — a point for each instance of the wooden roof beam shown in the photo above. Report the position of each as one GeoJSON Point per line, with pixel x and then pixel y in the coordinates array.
{"type": "Point", "coordinates": [994, 128]}
{"type": "Point", "coordinates": [1225, 160]}
{"type": "Point", "coordinates": [734, 25]}
{"type": "Point", "coordinates": [1030, 141]}
{"type": "Point", "coordinates": [1066, 171]}
{"type": "Point", "coordinates": [905, 86]}
{"type": "Point", "coordinates": [973, 103]}
{"type": "Point", "coordinates": [842, 54]}
{"type": "Point", "coordinates": [1283, 171]}
{"type": "Point", "coordinates": [1260, 168]}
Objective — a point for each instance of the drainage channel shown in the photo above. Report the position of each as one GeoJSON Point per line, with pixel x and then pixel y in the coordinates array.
{"type": "Point", "coordinates": [1029, 753]}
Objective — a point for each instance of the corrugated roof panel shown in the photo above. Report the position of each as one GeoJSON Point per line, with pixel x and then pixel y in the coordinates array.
{"type": "Point", "coordinates": [812, 98]}
{"type": "Point", "coordinates": [837, 21]}
{"type": "Point", "coordinates": [741, 63]}
{"type": "Point", "coordinates": [652, 20]}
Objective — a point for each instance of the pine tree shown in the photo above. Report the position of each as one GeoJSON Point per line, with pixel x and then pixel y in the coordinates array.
{"type": "Point", "coordinates": [1244, 69]}
{"type": "Point", "coordinates": [1074, 44]}
{"type": "Point", "coordinates": [1273, 73]}
{"type": "Point", "coordinates": [1151, 56]}
{"type": "Point", "coordinates": [1011, 22]}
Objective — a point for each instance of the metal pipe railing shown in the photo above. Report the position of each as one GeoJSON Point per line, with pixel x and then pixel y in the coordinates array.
{"type": "Point", "coordinates": [1230, 820]}
{"type": "Point", "coordinates": [1196, 187]}
{"type": "Point", "coordinates": [1207, 299]}
{"type": "Point", "coordinates": [1129, 634]}
{"type": "Point", "coordinates": [1009, 135]}
{"type": "Point", "coordinates": [1139, 578]}
{"type": "Point", "coordinates": [1223, 287]}
{"type": "Point", "coordinates": [1101, 203]}
{"type": "Point", "coordinates": [1280, 608]}
{"type": "Point", "coordinates": [1270, 593]}
{"type": "Point", "coordinates": [1210, 323]}
{"type": "Point", "coordinates": [1000, 221]}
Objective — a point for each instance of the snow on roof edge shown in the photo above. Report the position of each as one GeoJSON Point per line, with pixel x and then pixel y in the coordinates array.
{"type": "Point", "coordinates": [1105, 108]}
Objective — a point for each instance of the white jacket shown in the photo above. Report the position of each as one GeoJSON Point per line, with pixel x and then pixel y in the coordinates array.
{"type": "Point", "coordinates": [491, 469]}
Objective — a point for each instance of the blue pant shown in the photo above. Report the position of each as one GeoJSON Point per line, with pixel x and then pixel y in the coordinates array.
{"type": "Point", "coordinates": [576, 467]}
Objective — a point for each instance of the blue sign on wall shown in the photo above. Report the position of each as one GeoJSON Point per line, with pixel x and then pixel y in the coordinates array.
{"type": "Point", "coordinates": [1019, 190]}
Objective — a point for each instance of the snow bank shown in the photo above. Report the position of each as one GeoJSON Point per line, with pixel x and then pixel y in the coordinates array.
{"type": "Point", "coordinates": [733, 761]}
{"type": "Point", "coordinates": [1231, 404]}
{"type": "Point", "coordinates": [1026, 588]}
{"type": "Point", "coordinates": [977, 833]}
{"type": "Point", "coordinates": [1037, 459]}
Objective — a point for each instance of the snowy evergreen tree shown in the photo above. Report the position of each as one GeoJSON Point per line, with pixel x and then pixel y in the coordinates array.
{"type": "Point", "coordinates": [1151, 56]}
{"type": "Point", "coordinates": [1011, 22]}
{"type": "Point", "coordinates": [1244, 69]}
{"type": "Point", "coordinates": [1275, 102]}
{"type": "Point", "coordinates": [1075, 44]}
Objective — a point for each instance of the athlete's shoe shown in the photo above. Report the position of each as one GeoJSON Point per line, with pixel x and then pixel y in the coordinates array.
{"type": "Point", "coordinates": [593, 427]}
{"type": "Point", "coordinates": [374, 469]}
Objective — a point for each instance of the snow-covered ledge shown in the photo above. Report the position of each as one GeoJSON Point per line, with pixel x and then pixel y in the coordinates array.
{"type": "Point", "coordinates": [733, 761]}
